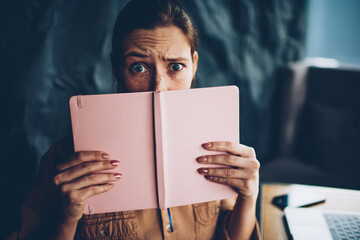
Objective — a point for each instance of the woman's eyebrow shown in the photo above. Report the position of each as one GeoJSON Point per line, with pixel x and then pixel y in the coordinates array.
{"type": "Point", "coordinates": [177, 59]}
{"type": "Point", "coordinates": [170, 59]}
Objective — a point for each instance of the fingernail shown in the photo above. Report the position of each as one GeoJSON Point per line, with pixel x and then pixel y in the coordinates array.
{"type": "Point", "coordinates": [117, 175]}
{"type": "Point", "coordinates": [114, 162]}
{"type": "Point", "coordinates": [207, 145]}
{"type": "Point", "coordinates": [202, 159]}
{"type": "Point", "coordinates": [203, 170]}
{"type": "Point", "coordinates": [105, 156]}
{"type": "Point", "coordinates": [111, 185]}
{"type": "Point", "coordinates": [209, 177]}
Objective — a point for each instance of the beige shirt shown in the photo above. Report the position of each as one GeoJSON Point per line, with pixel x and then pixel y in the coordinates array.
{"type": "Point", "coordinates": [197, 221]}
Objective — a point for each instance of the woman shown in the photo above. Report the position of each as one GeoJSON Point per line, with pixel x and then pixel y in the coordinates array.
{"type": "Point", "coordinates": [154, 49]}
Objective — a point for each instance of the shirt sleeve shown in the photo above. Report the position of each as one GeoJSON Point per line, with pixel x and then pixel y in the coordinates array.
{"type": "Point", "coordinates": [41, 201]}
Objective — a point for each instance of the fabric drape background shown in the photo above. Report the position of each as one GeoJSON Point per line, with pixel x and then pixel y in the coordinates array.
{"type": "Point", "coordinates": [53, 49]}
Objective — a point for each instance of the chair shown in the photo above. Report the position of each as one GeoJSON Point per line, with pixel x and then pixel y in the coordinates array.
{"type": "Point", "coordinates": [317, 127]}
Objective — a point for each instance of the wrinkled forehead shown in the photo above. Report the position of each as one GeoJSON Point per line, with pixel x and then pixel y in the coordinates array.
{"type": "Point", "coordinates": [167, 42]}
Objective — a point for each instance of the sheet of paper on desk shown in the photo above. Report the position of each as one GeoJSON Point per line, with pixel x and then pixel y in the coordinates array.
{"type": "Point", "coordinates": [298, 198]}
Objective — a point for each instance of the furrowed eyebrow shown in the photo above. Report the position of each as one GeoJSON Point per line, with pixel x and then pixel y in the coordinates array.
{"type": "Point", "coordinates": [179, 59]}
{"type": "Point", "coordinates": [140, 55]}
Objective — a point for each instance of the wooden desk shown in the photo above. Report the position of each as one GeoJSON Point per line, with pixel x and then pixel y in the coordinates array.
{"type": "Point", "coordinates": [272, 217]}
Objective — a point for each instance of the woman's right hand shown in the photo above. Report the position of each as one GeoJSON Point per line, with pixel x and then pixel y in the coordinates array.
{"type": "Point", "coordinates": [78, 178]}
{"type": "Point", "coordinates": [64, 181]}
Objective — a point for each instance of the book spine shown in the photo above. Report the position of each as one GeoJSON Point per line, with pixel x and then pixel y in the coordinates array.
{"type": "Point", "coordinates": [160, 150]}
{"type": "Point", "coordinates": [75, 106]}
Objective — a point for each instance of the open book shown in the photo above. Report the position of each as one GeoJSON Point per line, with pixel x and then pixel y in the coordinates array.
{"type": "Point", "coordinates": [157, 137]}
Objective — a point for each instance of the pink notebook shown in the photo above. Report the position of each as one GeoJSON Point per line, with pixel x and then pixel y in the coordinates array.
{"type": "Point", "coordinates": [157, 137]}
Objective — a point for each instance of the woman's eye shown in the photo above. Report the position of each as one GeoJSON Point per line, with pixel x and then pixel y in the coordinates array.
{"type": "Point", "coordinates": [138, 68]}
{"type": "Point", "coordinates": [176, 67]}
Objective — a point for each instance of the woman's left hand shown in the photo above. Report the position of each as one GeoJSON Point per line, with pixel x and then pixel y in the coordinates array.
{"type": "Point", "coordinates": [240, 168]}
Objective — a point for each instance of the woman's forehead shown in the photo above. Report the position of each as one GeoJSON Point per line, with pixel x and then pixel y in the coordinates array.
{"type": "Point", "coordinates": [167, 42]}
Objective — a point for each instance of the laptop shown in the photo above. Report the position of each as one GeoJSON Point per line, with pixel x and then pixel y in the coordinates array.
{"type": "Point", "coordinates": [308, 223]}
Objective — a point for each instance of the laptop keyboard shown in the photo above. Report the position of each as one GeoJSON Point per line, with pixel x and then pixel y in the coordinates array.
{"type": "Point", "coordinates": [343, 226]}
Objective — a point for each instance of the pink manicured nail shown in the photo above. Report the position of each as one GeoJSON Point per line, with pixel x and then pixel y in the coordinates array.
{"type": "Point", "coordinates": [203, 170]}
{"type": "Point", "coordinates": [118, 175]}
{"type": "Point", "coordinates": [202, 159]}
{"type": "Point", "coordinates": [111, 185]}
{"type": "Point", "coordinates": [209, 177]}
{"type": "Point", "coordinates": [105, 156]}
{"type": "Point", "coordinates": [207, 145]}
{"type": "Point", "coordinates": [114, 162]}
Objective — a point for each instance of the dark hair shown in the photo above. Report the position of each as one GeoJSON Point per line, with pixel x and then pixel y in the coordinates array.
{"type": "Point", "coordinates": [150, 14]}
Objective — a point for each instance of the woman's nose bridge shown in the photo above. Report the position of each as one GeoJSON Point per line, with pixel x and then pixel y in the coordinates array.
{"type": "Point", "coordinates": [160, 81]}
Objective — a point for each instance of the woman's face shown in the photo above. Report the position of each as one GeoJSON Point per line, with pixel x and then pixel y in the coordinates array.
{"type": "Point", "coordinates": [157, 60]}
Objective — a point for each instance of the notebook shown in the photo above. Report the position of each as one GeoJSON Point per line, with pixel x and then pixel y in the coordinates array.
{"type": "Point", "coordinates": [316, 224]}
{"type": "Point", "coordinates": [157, 137]}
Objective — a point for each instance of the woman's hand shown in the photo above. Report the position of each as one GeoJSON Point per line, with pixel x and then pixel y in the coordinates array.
{"type": "Point", "coordinates": [240, 168]}
{"type": "Point", "coordinates": [78, 179]}
{"type": "Point", "coordinates": [64, 181]}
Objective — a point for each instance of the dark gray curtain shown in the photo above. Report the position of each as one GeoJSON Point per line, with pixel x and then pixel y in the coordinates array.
{"type": "Point", "coordinates": [51, 50]}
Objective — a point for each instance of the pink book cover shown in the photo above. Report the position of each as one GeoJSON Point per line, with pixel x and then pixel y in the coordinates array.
{"type": "Point", "coordinates": [157, 137]}
{"type": "Point", "coordinates": [189, 118]}
{"type": "Point", "coordinates": [121, 125]}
